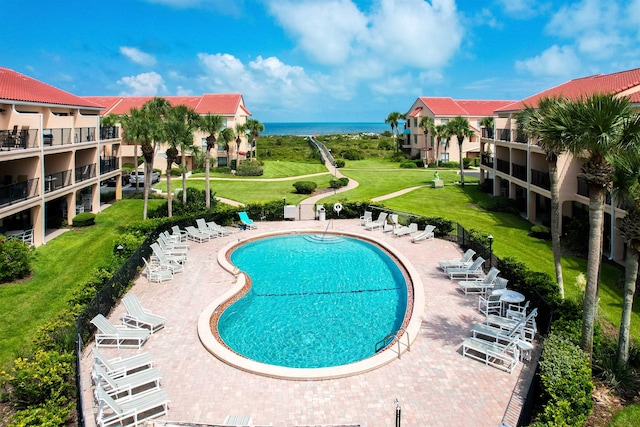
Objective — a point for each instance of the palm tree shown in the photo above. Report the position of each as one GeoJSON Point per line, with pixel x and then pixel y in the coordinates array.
{"type": "Point", "coordinates": [127, 125]}
{"type": "Point", "coordinates": [626, 188]}
{"type": "Point", "coordinates": [227, 135]}
{"type": "Point", "coordinates": [187, 121]}
{"type": "Point", "coordinates": [427, 125]}
{"type": "Point", "coordinates": [254, 127]}
{"type": "Point", "coordinates": [155, 112]}
{"type": "Point", "coordinates": [549, 123]}
{"type": "Point", "coordinates": [460, 127]}
{"type": "Point", "coordinates": [211, 125]}
{"type": "Point", "coordinates": [600, 129]}
{"type": "Point", "coordinates": [487, 123]}
{"type": "Point", "coordinates": [241, 129]}
{"type": "Point", "coordinates": [174, 130]}
{"type": "Point", "coordinates": [393, 119]}
{"type": "Point", "coordinates": [441, 135]}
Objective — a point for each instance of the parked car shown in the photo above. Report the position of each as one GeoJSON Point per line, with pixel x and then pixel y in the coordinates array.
{"type": "Point", "coordinates": [111, 182]}
{"type": "Point", "coordinates": [138, 176]}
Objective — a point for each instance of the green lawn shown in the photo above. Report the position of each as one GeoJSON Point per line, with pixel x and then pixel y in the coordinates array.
{"type": "Point", "coordinates": [277, 169]}
{"type": "Point", "coordinates": [246, 191]}
{"type": "Point", "coordinates": [59, 266]}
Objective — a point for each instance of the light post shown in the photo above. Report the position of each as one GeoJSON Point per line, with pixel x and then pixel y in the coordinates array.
{"type": "Point", "coordinates": [490, 237]}
{"type": "Point", "coordinates": [398, 413]}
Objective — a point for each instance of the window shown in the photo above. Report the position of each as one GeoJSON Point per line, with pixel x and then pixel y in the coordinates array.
{"type": "Point", "coordinates": [415, 122]}
{"type": "Point", "coordinates": [224, 123]}
{"type": "Point", "coordinates": [222, 161]}
{"type": "Point", "coordinates": [444, 157]}
{"type": "Point", "coordinates": [204, 144]}
{"type": "Point", "coordinates": [415, 139]}
{"type": "Point", "coordinates": [444, 121]}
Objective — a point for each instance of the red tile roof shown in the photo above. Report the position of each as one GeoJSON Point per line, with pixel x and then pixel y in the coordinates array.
{"type": "Point", "coordinates": [221, 104]}
{"type": "Point", "coordinates": [451, 107]}
{"type": "Point", "coordinates": [415, 112]}
{"type": "Point", "coordinates": [17, 87]}
{"type": "Point", "coordinates": [615, 83]}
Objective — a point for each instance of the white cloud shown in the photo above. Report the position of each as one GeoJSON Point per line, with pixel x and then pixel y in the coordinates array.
{"type": "Point", "coordinates": [393, 33]}
{"type": "Point", "coordinates": [138, 56]}
{"type": "Point", "coordinates": [264, 80]}
{"type": "Point", "coordinates": [555, 61]}
{"type": "Point", "coordinates": [325, 30]}
{"type": "Point", "coordinates": [522, 9]}
{"type": "Point", "coordinates": [145, 84]}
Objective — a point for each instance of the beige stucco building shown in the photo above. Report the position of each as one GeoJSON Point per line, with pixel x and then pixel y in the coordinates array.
{"type": "Point", "coordinates": [53, 156]}
{"type": "Point", "coordinates": [229, 106]}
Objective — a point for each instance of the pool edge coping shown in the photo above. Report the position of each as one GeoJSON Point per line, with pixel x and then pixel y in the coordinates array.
{"type": "Point", "coordinates": [385, 357]}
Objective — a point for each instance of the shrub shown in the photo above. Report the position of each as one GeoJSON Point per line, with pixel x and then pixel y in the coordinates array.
{"type": "Point", "coordinates": [15, 259]}
{"type": "Point", "coordinates": [250, 168]}
{"type": "Point", "coordinates": [540, 232]}
{"type": "Point", "coordinates": [351, 154]}
{"type": "Point", "coordinates": [196, 202]}
{"type": "Point", "coordinates": [175, 171]}
{"type": "Point", "coordinates": [339, 183]}
{"type": "Point", "coordinates": [566, 379]}
{"type": "Point", "coordinates": [450, 165]}
{"type": "Point", "coordinates": [84, 219]}
{"type": "Point", "coordinates": [385, 145]}
{"type": "Point", "coordinates": [499, 204]}
{"type": "Point", "coordinates": [408, 164]}
{"type": "Point", "coordinates": [49, 414]}
{"type": "Point", "coordinates": [340, 163]}
{"type": "Point", "coordinates": [223, 169]}
{"type": "Point", "coordinates": [45, 376]}
{"type": "Point", "coordinates": [466, 162]}
{"type": "Point", "coordinates": [486, 186]}
{"type": "Point", "coordinates": [443, 226]}
{"type": "Point", "coordinates": [305, 187]}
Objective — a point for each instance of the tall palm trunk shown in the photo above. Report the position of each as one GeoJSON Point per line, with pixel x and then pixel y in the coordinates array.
{"type": "Point", "coordinates": [183, 165]}
{"type": "Point", "coordinates": [437, 153]}
{"type": "Point", "coordinates": [555, 221]}
{"type": "Point", "coordinates": [207, 189]}
{"type": "Point", "coordinates": [461, 162]}
{"type": "Point", "coordinates": [169, 193]}
{"type": "Point", "coordinates": [148, 152]}
{"type": "Point", "coordinates": [596, 225]}
{"type": "Point", "coordinates": [630, 277]}
{"type": "Point", "coordinates": [135, 164]}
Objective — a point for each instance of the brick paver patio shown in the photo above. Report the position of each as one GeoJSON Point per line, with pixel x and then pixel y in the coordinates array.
{"type": "Point", "coordinates": [434, 384]}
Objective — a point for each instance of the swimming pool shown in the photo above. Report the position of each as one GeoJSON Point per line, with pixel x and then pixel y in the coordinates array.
{"type": "Point", "coordinates": [315, 301]}
{"type": "Point", "coordinates": [240, 284]}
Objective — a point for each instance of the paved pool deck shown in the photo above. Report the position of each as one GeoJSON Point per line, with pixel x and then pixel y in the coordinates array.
{"type": "Point", "coordinates": [434, 384]}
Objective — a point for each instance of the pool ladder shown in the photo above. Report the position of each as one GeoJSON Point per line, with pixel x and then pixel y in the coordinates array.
{"type": "Point", "coordinates": [383, 343]}
{"type": "Point", "coordinates": [330, 224]}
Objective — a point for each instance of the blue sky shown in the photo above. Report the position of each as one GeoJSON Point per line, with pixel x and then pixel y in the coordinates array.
{"type": "Point", "coordinates": [319, 60]}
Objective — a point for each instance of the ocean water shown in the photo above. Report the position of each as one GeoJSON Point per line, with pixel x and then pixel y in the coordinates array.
{"type": "Point", "coordinates": [326, 128]}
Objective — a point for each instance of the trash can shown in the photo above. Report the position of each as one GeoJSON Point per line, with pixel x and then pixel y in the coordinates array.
{"type": "Point", "coordinates": [322, 213]}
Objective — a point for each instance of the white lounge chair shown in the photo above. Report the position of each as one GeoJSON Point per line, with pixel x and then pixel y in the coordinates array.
{"type": "Point", "coordinates": [205, 229]}
{"type": "Point", "coordinates": [130, 411]}
{"type": "Point", "coordinates": [196, 235]}
{"type": "Point", "coordinates": [119, 367]}
{"type": "Point", "coordinates": [129, 385]}
{"type": "Point", "coordinates": [465, 260]}
{"type": "Point", "coordinates": [155, 273]}
{"type": "Point", "coordinates": [404, 230]}
{"type": "Point", "coordinates": [366, 218]}
{"type": "Point", "coordinates": [494, 333]}
{"type": "Point", "coordinates": [378, 223]}
{"type": "Point", "coordinates": [181, 234]}
{"type": "Point", "coordinates": [529, 329]}
{"type": "Point", "coordinates": [222, 231]}
{"type": "Point", "coordinates": [465, 273]}
{"type": "Point", "coordinates": [426, 234]}
{"type": "Point", "coordinates": [501, 356]}
{"type": "Point", "coordinates": [393, 226]}
{"type": "Point", "coordinates": [479, 286]}
{"type": "Point", "coordinates": [169, 262]}
{"type": "Point", "coordinates": [179, 258]}
{"type": "Point", "coordinates": [489, 304]}
{"type": "Point", "coordinates": [109, 335]}
{"type": "Point", "coordinates": [172, 242]}
{"type": "Point", "coordinates": [138, 317]}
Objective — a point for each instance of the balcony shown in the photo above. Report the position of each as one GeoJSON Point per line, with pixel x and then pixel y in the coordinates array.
{"type": "Point", "coordinates": [109, 132]}
{"type": "Point", "coordinates": [85, 172]}
{"type": "Point", "coordinates": [108, 164]}
{"type": "Point", "coordinates": [18, 139]}
{"type": "Point", "coordinates": [487, 133]}
{"type": "Point", "coordinates": [540, 179]}
{"type": "Point", "coordinates": [13, 193]}
{"type": "Point", "coordinates": [503, 166]}
{"type": "Point", "coordinates": [56, 137]}
{"type": "Point", "coordinates": [56, 181]}
{"type": "Point", "coordinates": [504, 134]}
{"type": "Point", "coordinates": [519, 136]}
{"type": "Point", "coordinates": [519, 171]}
{"type": "Point", "coordinates": [487, 160]}
{"type": "Point", "coordinates": [84, 135]}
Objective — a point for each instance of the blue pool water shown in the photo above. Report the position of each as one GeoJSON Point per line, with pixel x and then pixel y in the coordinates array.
{"type": "Point", "coordinates": [313, 302]}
